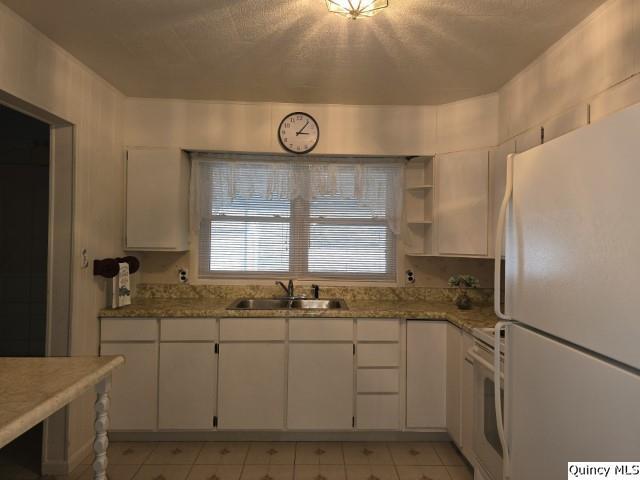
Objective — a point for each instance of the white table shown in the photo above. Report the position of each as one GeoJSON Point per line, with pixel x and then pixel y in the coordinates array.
{"type": "Point", "coordinates": [32, 389]}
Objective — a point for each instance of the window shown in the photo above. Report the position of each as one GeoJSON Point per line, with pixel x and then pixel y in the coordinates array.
{"type": "Point", "coordinates": [298, 217]}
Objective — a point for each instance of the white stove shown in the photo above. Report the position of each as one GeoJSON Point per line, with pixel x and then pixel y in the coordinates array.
{"type": "Point", "coordinates": [485, 335]}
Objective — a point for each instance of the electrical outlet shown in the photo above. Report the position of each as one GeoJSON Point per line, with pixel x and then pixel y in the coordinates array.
{"type": "Point", "coordinates": [183, 275]}
{"type": "Point", "coordinates": [411, 277]}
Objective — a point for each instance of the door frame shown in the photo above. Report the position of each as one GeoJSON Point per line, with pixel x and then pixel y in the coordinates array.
{"type": "Point", "coordinates": [59, 264]}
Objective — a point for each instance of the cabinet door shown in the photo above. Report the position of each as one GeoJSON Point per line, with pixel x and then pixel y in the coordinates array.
{"type": "Point", "coordinates": [187, 388]}
{"type": "Point", "coordinates": [134, 401]}
{"type": "Point", "coordinates": [157, 209]}
{"type": "Point", "coordinates": [321, 386]}
{"type": "Point", "coordinates": [462, 190]}
{"type": "Point", "coordinates": [426, 374]}
{"type": "Point", "coordinates": [467, 410]}
{"type": "Point", "coordinates": [454, 379]}
{"type": "Point", "coordinates": [251, 386]}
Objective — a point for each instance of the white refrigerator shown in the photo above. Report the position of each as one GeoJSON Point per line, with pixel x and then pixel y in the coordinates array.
{"type": "Point", "coordinates": [572, 288]}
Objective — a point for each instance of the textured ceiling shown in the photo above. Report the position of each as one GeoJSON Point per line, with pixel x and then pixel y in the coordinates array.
{"type": "Point", "coordinates": [415, 52]}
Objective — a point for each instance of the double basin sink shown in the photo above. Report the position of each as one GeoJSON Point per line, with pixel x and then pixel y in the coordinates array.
{"type": "Point", "coordinates": [288, 304]}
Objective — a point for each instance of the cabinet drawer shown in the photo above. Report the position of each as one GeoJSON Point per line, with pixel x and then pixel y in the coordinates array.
{"type": "Point", "coordinates": [380, 330]}
{"type": "Point", "coordinates": [327, 329]}
{"type": "Point", "coordinates": [378, 381]}
{"type": "Point", "coordinates": [128, 329]}
{"type": "Point", "coordinates": [378, 355]}
{"type": "Point", "coordinates": [252, 329]}
{"type": "Point", "coordinates": [188, 329]}
{"type": "Point", "coordinates": [378, 412]}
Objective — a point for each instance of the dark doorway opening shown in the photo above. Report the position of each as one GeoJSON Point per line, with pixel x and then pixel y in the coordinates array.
{"type": "Point", "coordinates": [24, 237]}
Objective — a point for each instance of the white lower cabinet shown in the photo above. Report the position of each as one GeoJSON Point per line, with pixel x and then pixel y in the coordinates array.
{"type": "Point", "coordinates": [378, 374]}
{"type": "Point", "coordinates": [467, 400]}
{"type": "Point", "coordinates": [426, 374]}
{"type": "Point", "coordinates": [320, 386]}
{"type": "Point", "coordinates": [454, 380]}
{"type": "Point", "coordinates": [378, 412]}
{"type": "Point", "coordinates": [251, 386]}
{"type": "Point", "coordinates": [187, 386]}
{"type": "Point", "coordinates": [134, 400]}
{"type": "Point", "coordinates": [297, 374]}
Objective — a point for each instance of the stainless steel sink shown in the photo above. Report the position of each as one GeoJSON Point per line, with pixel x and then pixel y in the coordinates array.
{"type": "Point", "coordinates": [288, 304]}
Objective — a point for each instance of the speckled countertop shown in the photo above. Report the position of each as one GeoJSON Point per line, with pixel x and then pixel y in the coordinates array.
{"type": "Point", "coordinates": [480, 316]}
{"type": "Point", "coordinates": [31, 389]}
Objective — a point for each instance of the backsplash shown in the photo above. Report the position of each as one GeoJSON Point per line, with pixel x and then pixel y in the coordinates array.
{"type": "Point", "coordinates": [480, 296]}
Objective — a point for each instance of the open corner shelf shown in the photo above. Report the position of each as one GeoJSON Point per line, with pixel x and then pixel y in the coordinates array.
{"type": "Point", "coordinates": [419, 187]}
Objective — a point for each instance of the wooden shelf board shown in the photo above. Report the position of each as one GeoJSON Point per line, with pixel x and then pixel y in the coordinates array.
{"type": "Point", "coordinates": [420, 187]}
{"type": "Point", "coordinates": [417, 254]}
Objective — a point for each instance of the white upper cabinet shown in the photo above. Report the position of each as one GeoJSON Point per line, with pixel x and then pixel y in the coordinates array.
{"type": "Point", "coordinates": [157, 199]}
{"type": "Point", "coordinates": [462, 190]}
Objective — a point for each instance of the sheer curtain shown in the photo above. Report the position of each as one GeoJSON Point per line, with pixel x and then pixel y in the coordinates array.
{"type": "Point", "coordinates": [303, 216]}
{"type": "Point", "coordinates": [369, 182]}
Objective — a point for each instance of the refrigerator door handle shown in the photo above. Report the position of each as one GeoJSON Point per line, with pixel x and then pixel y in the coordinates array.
{"type": "Point", "coordinates": [497, 376]}
{"type": "Point", "coordinates": [497, 278]}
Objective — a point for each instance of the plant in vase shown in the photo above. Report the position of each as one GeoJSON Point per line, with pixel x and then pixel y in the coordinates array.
{"type": "Point", "coordinates": [463, 283]}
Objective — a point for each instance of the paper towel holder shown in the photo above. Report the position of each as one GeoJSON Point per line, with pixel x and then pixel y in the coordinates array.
{"type": "Point", "coordinates": [108, 267]}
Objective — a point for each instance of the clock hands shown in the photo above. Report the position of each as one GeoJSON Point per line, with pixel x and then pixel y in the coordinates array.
{"type": "Point", "coordinates": [301, 132]}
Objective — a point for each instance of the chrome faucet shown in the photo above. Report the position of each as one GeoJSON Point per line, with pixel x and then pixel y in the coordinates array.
{"type": "Point", "coordinates": [288, 288]}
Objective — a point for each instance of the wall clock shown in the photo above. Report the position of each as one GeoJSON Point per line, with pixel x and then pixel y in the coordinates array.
{"type": "Point", "coordinates": [298, 133]}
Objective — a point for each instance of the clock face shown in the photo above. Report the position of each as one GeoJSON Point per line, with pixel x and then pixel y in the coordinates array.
{"type": "Point", "coordinates": [298, 133]}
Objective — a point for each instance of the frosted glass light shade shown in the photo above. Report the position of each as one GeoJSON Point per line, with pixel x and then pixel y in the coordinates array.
{"type": "Point", "coordinates": [356, 8]}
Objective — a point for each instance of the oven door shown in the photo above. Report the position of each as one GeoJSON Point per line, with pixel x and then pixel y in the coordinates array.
{"type": "Point", "coordinates": [486, 442]}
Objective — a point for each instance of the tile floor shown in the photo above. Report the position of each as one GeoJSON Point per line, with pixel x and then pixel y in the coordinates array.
{"type": "Point", "coordinates": [273, 461]}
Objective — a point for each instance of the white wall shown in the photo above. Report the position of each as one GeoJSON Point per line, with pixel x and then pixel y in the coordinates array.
{"type": "Point", "coordinates": [35, 70]}
{"type": "Point", "coordinates": [595, 63]}
{"type": "Point", "coordinates": [344, 129]}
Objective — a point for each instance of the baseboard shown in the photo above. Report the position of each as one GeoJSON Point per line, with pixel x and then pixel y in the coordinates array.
{"type": "Point", "coordinates": [74, 460]}
{"type": "Point", "coordinates": [280, 436]}
{"type": "Point", "coordinates": [55, 468]}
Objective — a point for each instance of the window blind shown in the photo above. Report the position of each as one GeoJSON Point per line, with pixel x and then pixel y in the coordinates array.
{"type": "Point", "coordinates": [311, 217]}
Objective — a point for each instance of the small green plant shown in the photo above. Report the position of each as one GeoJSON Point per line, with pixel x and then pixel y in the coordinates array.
{"type": "Point", "coordinates": [464, 281]}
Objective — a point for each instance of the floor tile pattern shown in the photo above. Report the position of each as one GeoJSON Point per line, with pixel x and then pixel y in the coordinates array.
{"type": "Point", "coordinates": [270, 461]}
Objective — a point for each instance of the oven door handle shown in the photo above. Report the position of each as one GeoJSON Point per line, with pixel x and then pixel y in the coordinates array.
{"type": "Point", "coordinates": [477, 358]}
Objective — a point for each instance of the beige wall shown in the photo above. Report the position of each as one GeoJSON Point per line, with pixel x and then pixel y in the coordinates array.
{"type": "Point", "coordinates": [37, 71]}
{"type": "Point", "coordinates": [596, 63]}
{"type": "Point", "coordinates": [345, 129]}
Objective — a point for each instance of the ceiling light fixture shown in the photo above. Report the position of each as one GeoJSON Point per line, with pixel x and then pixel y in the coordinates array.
{"type": "Point", "coordinates": [355, 9]}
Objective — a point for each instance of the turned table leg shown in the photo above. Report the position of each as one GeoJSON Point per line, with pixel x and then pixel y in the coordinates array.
{"type": "Point", "coordinates": [101, 425]}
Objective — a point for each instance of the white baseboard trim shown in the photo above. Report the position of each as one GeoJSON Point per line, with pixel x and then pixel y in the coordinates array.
{"type": "Point", "coordinates": [249, 436]}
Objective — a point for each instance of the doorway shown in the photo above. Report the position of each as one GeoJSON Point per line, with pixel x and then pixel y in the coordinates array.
{"type": "Point", "coordinates": [24, 236]}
